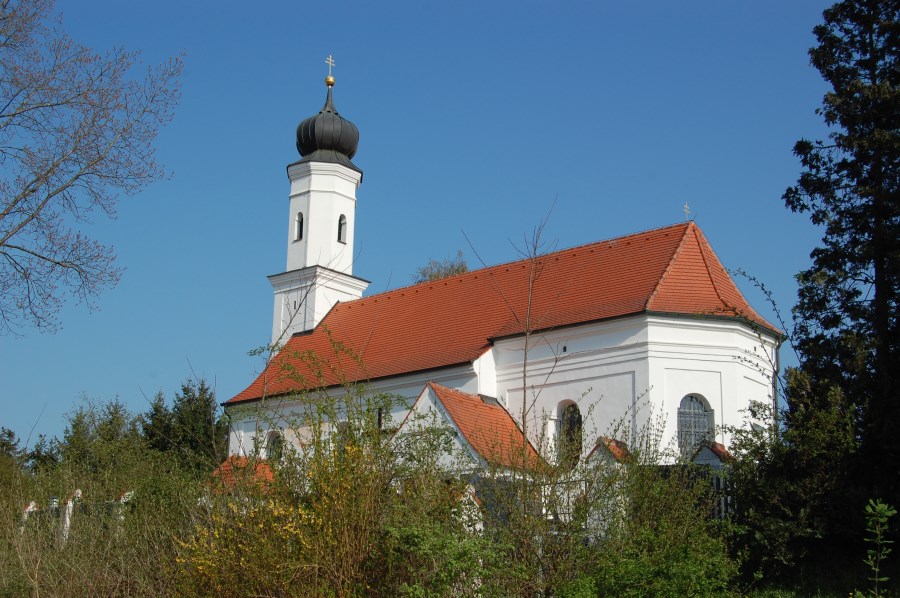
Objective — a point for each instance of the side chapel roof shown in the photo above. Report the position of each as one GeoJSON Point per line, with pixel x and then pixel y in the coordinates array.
{"type": "Point", "coordinates": [617, 449]}
{"type": "Point", "coordinates": [668, 271]}
{"type": "Point", "coordinates": [717, 449]}
{"type": "Point", "coordinates": [488, 428]}
{"type": "Point", "coordinates": [237, 471]}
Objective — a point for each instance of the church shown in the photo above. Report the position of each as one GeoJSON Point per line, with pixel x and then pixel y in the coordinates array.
{"type": "Point", "coordinates": [602, 337]}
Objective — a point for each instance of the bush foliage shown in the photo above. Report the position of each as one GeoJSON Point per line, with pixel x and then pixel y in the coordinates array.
{"type": "Point", "coordinates": [359, 511]}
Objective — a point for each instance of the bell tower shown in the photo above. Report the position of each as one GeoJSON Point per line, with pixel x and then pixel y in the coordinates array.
{"type": "Point", "coordinates": [321, 223]}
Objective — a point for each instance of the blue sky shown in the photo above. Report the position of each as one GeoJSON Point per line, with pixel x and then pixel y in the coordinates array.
{"type": "Point", "coordinates": [474, 118]}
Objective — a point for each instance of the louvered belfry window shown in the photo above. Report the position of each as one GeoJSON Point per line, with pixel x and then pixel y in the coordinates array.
{"type": "Point", "coordinates": [342, 229]}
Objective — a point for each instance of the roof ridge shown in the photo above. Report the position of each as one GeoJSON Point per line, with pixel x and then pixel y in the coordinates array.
{"type": "Point", "coordinates": [437, 387]}
{"type": "Point", "coordinates": [486, 269]}
{"type": "Point", "coordinates": [434, 386]}
{"type": "Point", "coordinates": [412, 408]}
{"type": "Point", "coordinates": [737, 310]}
{"type": "Point", "coordinates": [712, 279]}
{"type": "Point", "coordinates": [669, 265]}
{"type": "Point", "coordinates": [724, 295]}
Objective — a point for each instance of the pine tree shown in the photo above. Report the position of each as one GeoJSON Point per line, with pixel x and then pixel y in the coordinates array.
{"type": "Point", "coordinates": [44, 455]}
{"type": "Point", "coordinates": [198, 433]}
{"type": "Point", "coordinates": [9, 443]}
{"type": "Point", "coordinates": [156, 424]}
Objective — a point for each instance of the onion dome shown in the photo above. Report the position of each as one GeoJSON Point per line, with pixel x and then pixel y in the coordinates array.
{"type": "Point", "coordinates": [327, 137]}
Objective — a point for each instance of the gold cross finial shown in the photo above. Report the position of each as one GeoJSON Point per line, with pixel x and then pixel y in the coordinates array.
{"type": "Point", "coordinates": [329, 80]}
{"type": "Point", "coordinates": [687, 211]}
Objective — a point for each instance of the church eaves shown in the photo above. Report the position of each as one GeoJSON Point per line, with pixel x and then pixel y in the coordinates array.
{"type": "Point", "coordinates": [670, 270]}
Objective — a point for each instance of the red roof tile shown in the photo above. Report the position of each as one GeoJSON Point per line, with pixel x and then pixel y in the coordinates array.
{"type": "Point", "coordinates": [489, 429]}
{"type": "Point", "coordinates": [242, 470]}
{"type": "Point", "coordinates": [719, 450]}
{"type": "Point", "coordinates": [452, 321]}
{"type": "Point", "coordinates": [695, 282]}
{"type": "Point", "coordinates": [616, 448]}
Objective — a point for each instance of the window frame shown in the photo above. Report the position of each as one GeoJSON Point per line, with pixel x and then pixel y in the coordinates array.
{"type": "Point", "coordinates": [696, 423]}
{"type": "Point", "coordinates": [342, 229]}
{"type": "Point", "coordinates": [298, 226]}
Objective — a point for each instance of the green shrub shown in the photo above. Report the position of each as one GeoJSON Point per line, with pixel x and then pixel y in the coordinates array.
{"type": "Point", "coordinates": [664, 542]}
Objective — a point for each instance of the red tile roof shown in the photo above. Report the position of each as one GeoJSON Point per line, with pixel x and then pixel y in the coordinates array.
{"type": "Point", "coordinates": [489, 429]}
{"type": "Point", "coordinates": [616, 448]}
{"type": "Point", "coordinates": [719, 450]}
{"type": "Point", "coordinates": [670, 270]}
{"type": "Point", "coordinates": [240, 471]}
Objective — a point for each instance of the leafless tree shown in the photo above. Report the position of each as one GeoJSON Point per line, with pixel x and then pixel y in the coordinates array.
{"type": "Point", "coordinates": [76, 130]}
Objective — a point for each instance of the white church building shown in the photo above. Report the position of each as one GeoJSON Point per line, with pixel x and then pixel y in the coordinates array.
{"type": "Point", "coordinates": [646, 325]}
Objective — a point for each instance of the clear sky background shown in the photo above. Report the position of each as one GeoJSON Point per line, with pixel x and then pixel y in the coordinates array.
{"type": "Point", "coordinates": [474, 118]}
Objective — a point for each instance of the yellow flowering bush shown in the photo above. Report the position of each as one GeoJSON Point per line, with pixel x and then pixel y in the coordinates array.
{"type": "Point", "coordinates": [330, 522]}
{"type": "Point", "coordinates": [247, 543]}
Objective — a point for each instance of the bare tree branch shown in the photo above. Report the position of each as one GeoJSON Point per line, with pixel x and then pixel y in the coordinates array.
{"type": "Point", "coordinates": [76, 130]}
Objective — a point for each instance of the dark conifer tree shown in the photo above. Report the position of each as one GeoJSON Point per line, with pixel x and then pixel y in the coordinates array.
{"type": "Point", "coordinates": [198, 432]}
{"type": "Point", "coordinates": [156, 424]}
{"type": "Point", "coordinates": [847, 332]}
{"type": "Point", "coordinates": [9, 443]}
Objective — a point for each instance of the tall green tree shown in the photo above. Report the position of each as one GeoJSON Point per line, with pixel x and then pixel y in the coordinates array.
{"type": "Point", "coordinates": [9, 443]}
{"type": "Point", "coordinates": [793, 505]}
{"type": "Point", "coordinates": [199, 432]}
{"type": "Point", "coordinates": [847, 332]}
{"type": "Point", "coordinates": [156, 424]}
{"type": "Point", "coordinates": [96, 435]}
{"type": "Point", "coordinates": [43, 455]}
{"type": "Point", "coordinates": [10, 456]}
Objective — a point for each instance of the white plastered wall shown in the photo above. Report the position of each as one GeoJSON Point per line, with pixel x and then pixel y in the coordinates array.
{"type": "Point", "coordinates": [428, 411]}
{"type": "Point", "coordinates": [600, 367]}
{"type": "Point", "coordinates": [257, 418]}
{"type": "Point", "coordinates": [322, 191]}
{"type": "Point", "coordinates": [619, 372]}
{"type": "Point", "coordinates": [319, 265]}
{"type": "Point", "coordinates": [630, 373]}
{"type": "Point", "coordinates": [304, 297]}
{"type": "Point", "coordinates": [724, 361]}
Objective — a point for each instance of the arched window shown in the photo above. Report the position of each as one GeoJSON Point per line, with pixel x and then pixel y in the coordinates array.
{"type": "Point", "coordinates": [342, 229]}
{"type": "Point", "coordinates": [569, 439]}
{"type": "Point", "coordinates": [696, 423]}
{"type": "Point", "coordinates": [274, 446]}
{"type": "Point", "coordinates": [298, 227]}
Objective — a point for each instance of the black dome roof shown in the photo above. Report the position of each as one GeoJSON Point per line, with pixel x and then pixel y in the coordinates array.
{"type": "Point", "coordinates": [327, 137]}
